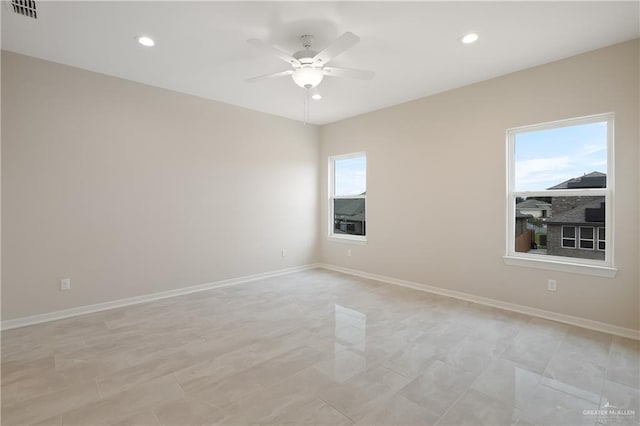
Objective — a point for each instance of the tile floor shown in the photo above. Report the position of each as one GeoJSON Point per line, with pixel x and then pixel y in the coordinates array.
{"type": "Point", "coordinates": [316, 347]}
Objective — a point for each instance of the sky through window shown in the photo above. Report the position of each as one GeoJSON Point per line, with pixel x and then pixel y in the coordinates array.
{"type": "Point", "coordinates": [350, 176]}
{"type": "Point", "coordinates": [545, 158]}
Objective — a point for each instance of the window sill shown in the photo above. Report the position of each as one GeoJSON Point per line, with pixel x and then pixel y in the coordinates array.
{"type": "Point", "coordinates": [348, 239]}
{"type": "Point", "coordinates": [553, 265]}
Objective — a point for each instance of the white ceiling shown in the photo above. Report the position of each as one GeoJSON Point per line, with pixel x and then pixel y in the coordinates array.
{"type": "Point", "coordinates": [414, 47]}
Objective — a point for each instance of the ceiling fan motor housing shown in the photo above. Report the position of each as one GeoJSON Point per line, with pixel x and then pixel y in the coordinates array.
{"type": "Point", "coordinates": [305, 56]}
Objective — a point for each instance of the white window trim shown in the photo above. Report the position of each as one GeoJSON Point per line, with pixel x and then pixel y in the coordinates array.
{"type": "Point", "coordinates": [562, 237]}
{"type": "Point", "coordinates": [560, 263]}
{"type": "Point", "coordinates": [344, 238]}
{"type": "Point", "coordinates": [593, 240]}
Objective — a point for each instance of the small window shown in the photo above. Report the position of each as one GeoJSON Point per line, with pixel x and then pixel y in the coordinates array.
{"type": "Point", "coordinates": [348, 196]}
{"type": "Point", "coordinates": [601, 238]}
{"type": "Point", "coordinates": [587, 238]}
{"type": "Point", "coordinates": [569, 237]}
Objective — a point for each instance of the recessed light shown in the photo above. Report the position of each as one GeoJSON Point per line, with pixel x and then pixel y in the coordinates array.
{"type": "Point", "coordinates": [316, 96]}
{"type": "Point", "coordinates": [146, 41]}
{"type": "Point", "coordinates": [470, 38]}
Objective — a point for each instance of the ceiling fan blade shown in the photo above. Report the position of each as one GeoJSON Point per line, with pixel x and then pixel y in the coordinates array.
{"type": "Point", "coordinates": [275, 74]}
{"type": "Point", "coordinates": [274, 51]}
{"type": "Point", "coordinates": [350, 73]}
{"type": "Point", "coordinates": [342, 43]}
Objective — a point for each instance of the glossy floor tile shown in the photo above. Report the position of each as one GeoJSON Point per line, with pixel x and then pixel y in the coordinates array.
{"type": "Point", "coordinates": [316, 347]}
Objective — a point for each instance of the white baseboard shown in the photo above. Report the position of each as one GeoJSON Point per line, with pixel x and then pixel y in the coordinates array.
{"type": "Point", "coordinates": [81, 310]}
{"type": "Point", "coordinates": [541, 313]}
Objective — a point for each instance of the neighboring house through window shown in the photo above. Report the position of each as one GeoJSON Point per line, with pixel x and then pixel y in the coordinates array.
{"type": "Point", "coordinates": [559, 193]}
{"type": "Point", "coordinates": [585, 214]}
{"type": "Point", "coordinates": [348, 196]}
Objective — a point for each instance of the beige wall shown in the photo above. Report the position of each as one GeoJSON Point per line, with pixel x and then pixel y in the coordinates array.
{"type": "Point", "coordinates": [436, 167]}
{"type": "Point", "coordinates": [129, 189]}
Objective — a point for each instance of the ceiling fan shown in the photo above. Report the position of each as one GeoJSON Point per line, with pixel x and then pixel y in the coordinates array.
{"type": "Point", "coordinates": [309, 67]}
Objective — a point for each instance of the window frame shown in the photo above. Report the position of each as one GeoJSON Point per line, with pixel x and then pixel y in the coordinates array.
{"type": "Point", "coordinates": [601, 240]}
{"type": "Point", "coordinates": [592, 240]}
{"type": "Point", "coordinates": [574, 239]}
{"type": "Point", "coordinates": [355, 239]}
{"type": "Point", "coordinates": [562, 263]}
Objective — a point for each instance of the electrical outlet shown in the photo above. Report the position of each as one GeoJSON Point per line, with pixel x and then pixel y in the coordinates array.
{"type": "Point", "coordinates": [552, 285]}
{"type": "Point", "coordinates": [284, 252]}
{"type": "Point", "coordinates": [348, 252]}
{"type": "Point", "coordinates": [65, 284]}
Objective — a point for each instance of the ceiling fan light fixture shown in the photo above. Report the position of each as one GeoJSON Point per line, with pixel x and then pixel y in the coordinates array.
{"type": "Point", "coordinates": [307, 76]}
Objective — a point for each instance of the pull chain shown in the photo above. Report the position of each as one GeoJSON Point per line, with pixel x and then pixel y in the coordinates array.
{"type": "Point", "coordinates": [306, 105]}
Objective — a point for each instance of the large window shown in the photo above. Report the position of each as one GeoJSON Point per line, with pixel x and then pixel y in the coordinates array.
{"type": "Point", "coordinates": [348, 196]}
{"type": "Point", "coordinates": [588, 239]}
{"type": "Point", "coordinates": [560, 186]}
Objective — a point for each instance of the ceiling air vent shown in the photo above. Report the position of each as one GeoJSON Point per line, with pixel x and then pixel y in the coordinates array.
{"type": "Point", "coordinates": [25, 7]}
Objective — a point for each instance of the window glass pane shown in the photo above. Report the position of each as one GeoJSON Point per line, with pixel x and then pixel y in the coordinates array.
{"type": "Point", "coordinates": [601, 234]}
{"type": "Point", "coordinates": [348, 216]}
{"type": "Point", "coordinates": [601, 245]}
{"type": "Point", "coordinates": [568, 229]}
{"type": "Point", "coordinates": [565, 157]}
{"type": "Point", "coordinates": [350, 176]}
{"type": "Point", "coordinates": [586, 233]}
{"type": "Point", "coordinates": [586, 244]}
